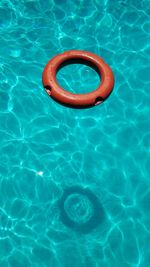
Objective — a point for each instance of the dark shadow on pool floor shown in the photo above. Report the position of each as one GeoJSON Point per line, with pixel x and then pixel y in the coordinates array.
{"type": "Point", "coordinates": [88, 206]}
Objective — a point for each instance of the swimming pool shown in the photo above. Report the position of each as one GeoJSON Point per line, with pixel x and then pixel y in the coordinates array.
{"type": "Point", "coordinates": [74, 184]}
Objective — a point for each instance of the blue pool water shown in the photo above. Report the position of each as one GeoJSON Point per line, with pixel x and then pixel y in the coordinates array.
{"type": "Point", "coordinates": [74, 184]}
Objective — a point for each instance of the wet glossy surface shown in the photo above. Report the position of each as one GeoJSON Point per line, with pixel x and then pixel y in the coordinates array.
{"type": "Point", "coordinates": [46, 148]}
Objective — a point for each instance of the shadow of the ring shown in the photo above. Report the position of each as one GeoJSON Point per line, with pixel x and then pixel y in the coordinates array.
{"type": "Point", "coordinates": [97, 216]}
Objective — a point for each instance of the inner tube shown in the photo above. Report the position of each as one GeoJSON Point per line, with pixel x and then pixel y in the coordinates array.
{"type": "Point", "coordinates": [66, 98]}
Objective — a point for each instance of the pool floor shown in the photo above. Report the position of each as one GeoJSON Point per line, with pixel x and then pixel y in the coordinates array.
{"type": "Point", "coordinates": [74, 183]}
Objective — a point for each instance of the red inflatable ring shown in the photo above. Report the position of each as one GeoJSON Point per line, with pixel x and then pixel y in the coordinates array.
{"type": "Point", "coordinates": [78, 100]}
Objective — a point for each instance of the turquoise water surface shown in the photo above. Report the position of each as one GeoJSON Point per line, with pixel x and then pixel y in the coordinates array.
{"type": "Point", "coordinates": [74, 184]}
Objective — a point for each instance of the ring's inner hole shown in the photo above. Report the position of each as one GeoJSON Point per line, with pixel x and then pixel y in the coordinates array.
{"type": "Point", "coordinates": [78, 76]}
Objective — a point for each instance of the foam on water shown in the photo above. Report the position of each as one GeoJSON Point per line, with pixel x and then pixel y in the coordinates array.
{"type": "Point", "coordinates": [47, 150]}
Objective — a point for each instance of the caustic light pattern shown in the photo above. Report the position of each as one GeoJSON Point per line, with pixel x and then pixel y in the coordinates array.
{"type": "Point", "coordinates": [47, 150]}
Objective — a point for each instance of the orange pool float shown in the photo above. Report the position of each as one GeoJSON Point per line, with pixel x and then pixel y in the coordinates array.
{"type": "Point", "coordinates": [78, 100]}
